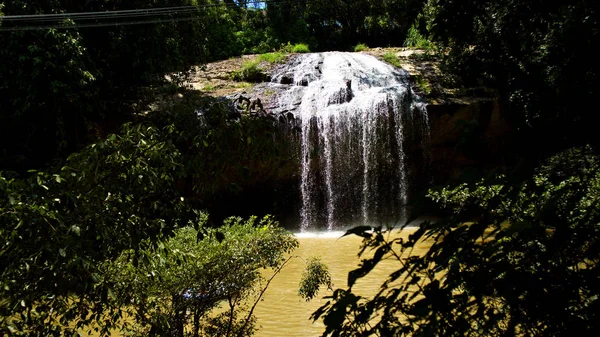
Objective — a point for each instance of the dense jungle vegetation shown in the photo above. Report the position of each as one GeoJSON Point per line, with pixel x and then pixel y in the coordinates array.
{"type": "Point", "coordinates": [101, 202]}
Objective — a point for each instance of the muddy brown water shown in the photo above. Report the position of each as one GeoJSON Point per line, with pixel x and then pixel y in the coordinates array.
{"type": "Point", "coordinates": [284, 313]}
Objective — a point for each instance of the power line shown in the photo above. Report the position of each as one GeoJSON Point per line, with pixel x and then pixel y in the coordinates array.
{"type": "Point", "coordinates": [97, 15]}
{"type": "Point", "coordinates": [152, 15]}
{"type": "Point", "coordinates": [91, 25]}
{"type": "Point", "coordinates": [60, 16]}
{"type": "Point", "coordinates": [125, 13]}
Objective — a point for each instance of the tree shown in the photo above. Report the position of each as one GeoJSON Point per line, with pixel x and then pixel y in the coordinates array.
{"type": "Point", "coordinates": [339, 24]}
{"type": "Point", "coordinates": [58, 81]}
{"type": "Point", "coordinates": [58, 226]}
{"type": "Point", "coordinates": [44, 96]}
{"type": "Point", "coordinates": [287, 22]}
{"type": "Point", "coordinates": [536, 54]}
{"type": "Point", "coordinates": [510, 259]}
{"type": "Point", "coordinates": [187, 278]}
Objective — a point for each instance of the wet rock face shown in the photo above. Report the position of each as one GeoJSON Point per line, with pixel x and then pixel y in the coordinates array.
{"type": "Point", "coordinates": [364, 143]}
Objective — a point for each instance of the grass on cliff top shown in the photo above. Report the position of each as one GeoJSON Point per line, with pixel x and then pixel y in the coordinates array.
{"type": "Point", "coordinates": [250, 72]}
{"type": "Point", "coordinates": [275, 57]}
{"type": "Point", "coordinates": [289, 48]}
{"type": "Point", "coordinates": [300, 48]}
{"type": "Point", "coordinates": [361, 47]}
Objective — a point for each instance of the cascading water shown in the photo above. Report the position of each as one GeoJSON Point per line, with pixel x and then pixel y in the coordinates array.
{"type": "Point", "coordinates": [354, 112]}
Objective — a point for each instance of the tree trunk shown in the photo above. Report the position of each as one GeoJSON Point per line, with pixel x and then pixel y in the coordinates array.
{"type": "Point", "coordinates": [179, 311]}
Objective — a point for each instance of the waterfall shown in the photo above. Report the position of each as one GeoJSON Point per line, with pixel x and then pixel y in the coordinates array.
{"type": "Point", "coordinates": [355, 113]}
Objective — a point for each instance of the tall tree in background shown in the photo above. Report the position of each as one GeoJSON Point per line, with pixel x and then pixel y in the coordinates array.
{"type": "Point", "coordinates": [340, 24]}
{"type": "Point", "coordinates": [537, 53]}
{"type": "Point", "coordinates": [287, 21]}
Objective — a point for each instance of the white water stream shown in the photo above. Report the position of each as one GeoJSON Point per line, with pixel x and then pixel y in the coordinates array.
{"type": "Point", "coordinates": [354, 110]}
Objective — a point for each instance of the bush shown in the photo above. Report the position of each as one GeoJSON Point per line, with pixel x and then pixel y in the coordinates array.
{"type": "Point", "coordinates": [414, 39]}
{"type": "Point", "coordinates": [361, 47]}
{"type": "Point", "coordinates": [209, 87]}
{"type": "Point", "coordinates": [422, 84]}
{"type": "Point", "coordinates": [59, 227]}
{"type": "Point", "coordinates": [250, 72]}
{"type": "Point", "coordinates": [287, 48]}
{"type": "Point", "coordinates": [276, 57]}
{"type": "Point", "coordinates": [300, 48]}
{"type": "Point", "coordinates": [392, 59]}
{"type": "Point", "coordinates": [195, 271]}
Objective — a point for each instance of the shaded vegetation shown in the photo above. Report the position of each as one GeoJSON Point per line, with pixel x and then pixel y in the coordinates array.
{"type": "Point", "coordinates": [511, 259]}
{"type": "Point", "coordinates": [537, 55]}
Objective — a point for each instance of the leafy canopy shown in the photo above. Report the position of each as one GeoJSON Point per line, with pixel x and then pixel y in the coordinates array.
{"type": "Point", "coordinates": [197, 276]}
{"type": "Point", "coordinates": [58, 226]}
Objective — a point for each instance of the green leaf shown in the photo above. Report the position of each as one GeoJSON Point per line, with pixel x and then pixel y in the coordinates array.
{"type": "Point", "coordinates": [76, 230]}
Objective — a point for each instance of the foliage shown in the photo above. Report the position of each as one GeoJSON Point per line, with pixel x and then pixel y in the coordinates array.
{"type": "Point", "coordinates": [253, 34]}
{"type": "Point", "coordinates": [286, 21]}
{"type": "Point", "coordinates": [287, 48]}
{"type": "Point", "coordinates": [275, 57]}
{"type": "Point", "coordinates": [414, 39]}
{"type": "Point", "coordinates": [361, 47]}
{"type": "Point", "coordinates": [194, 276]}
{"type": "Point", "coordinates": [300, 48]}
{"type": "Point", "coordinates": [39, 117]}
{"type": "Point", "coordinates": [209, 87]}
{"type": "Point", "coordinates": [296, 48]}
{"type": "Point", "coordinates": [315, 274]}
{"type": "Point", "coordinates": [536, 54]}
{"type": "Point", "coordinates": [392, 59]}
{"type": "Point", "coordinates": [511, 259]}
{"type": "Point", "coordinates": [250, 72]}
{"type": "Point", "coordinates": [58, 226]}
{"type": "Point", "coordinates": [55, 83]}
{"type": "Point", "coordinates": [341, 24]}
{"type": "Point", "coordinates": [422, 84]}
{"type": "Point", "coordinates": [243, 85]}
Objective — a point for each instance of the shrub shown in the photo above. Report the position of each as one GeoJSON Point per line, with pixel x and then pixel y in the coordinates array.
{"type": "Point", "coordinates": [62, 225]}
{"type": "Point", "coordinates": [286, 48]}
{"type": "Point", "coordinates": [275, 57]}
{"type": "Point", "coordinates": [414, 39]}
{"type": "Point", "coordinates": [196, 271]}
{"type": "Point", "coordinates": [250, 72]}
{"type": "Point", "coordinates": [422, 84]}
{"type": "Point", "coordinates": [361, 47]}
{"type": "Point", "coordinates": [301, 48]}
{"type": "Point", "coordinates": [392, 59]}
{"type": "Point", "coordinates": [209, 87]}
